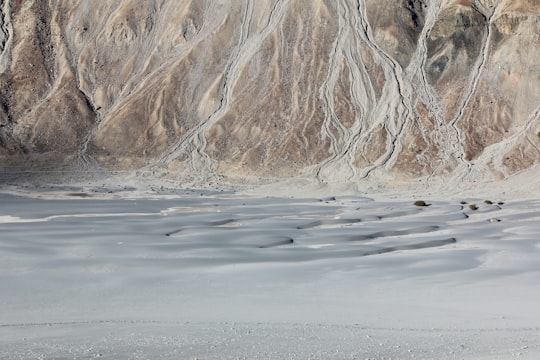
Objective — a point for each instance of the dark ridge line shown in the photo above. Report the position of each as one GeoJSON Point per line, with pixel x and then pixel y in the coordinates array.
{"type": "Point", "coordinates": [211, 223]}
{"type": "Point", "coordinates": [327, 222]}
{"type": "Point", "coordinates": [425, 245]}
{"type": "Point", "coordinates": [380, 234]}
{"type": "Point", "coordinates": [174, 232]}
{"type": "Point", "coordinates": [222, 222]}
{"type": "Point", "coordinates": [278, 243]}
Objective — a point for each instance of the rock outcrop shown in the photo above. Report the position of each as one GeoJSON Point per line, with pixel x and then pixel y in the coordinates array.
{"type": "Point", "coordinates": [335, 90]}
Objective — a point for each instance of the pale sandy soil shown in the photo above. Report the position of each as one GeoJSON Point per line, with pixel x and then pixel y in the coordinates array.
{"type": "Point", "coordinates": [132, 274]}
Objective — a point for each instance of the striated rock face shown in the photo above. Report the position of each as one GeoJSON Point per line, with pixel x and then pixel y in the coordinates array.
{"type": "Point", "coordinates": [337, 90]}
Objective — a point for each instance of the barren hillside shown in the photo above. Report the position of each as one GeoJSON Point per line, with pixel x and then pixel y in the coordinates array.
{"type": "Point", "coordinates": [334, 90]}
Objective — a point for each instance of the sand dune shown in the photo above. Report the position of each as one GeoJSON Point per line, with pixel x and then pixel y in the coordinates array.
{"type": "Point", "coordinates": [346, 277]}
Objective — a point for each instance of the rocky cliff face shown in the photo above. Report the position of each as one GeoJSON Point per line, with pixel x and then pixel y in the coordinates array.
{"type": "Point", "coordinates": [336, 90]}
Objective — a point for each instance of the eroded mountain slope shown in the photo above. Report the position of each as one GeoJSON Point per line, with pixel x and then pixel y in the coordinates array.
{"type": "Point", "coordinates": [337, 90]}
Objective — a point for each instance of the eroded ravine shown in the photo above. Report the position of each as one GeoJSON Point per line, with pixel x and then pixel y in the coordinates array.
{"type": "Point", "coordinates": [248, 45]}
{"type": "Point", "coordinates": [331, 91]}
{"type": "Point", "coordinates": [459, 143]}
{"type": "Point", "coordinates": [393, 108]}
{"type": "Point", "coordinates": [6, 35]}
